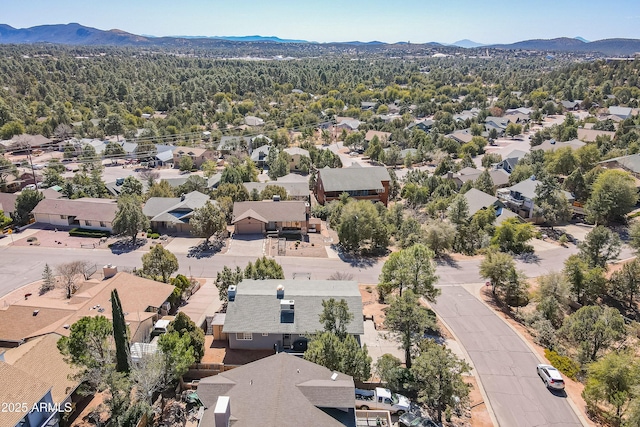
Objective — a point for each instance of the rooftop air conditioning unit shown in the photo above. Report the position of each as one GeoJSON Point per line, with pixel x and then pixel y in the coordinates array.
{"type": "Point", "coordinates": [287, 305]}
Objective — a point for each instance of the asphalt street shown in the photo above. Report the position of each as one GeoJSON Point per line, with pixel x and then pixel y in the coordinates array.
{"type": "Point", "coordinates": [505, 364]}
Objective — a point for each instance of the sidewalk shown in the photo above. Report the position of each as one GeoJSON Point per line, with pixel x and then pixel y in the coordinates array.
{"type": "Point", "coordinates": [14, 237]}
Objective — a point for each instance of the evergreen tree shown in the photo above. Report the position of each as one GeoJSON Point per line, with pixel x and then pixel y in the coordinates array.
{"type": "Point", "coordinates": [120, 334]}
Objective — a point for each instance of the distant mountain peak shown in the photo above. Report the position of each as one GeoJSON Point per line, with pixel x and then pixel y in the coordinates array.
{"type": "Point", "coordinates": [467, 44]}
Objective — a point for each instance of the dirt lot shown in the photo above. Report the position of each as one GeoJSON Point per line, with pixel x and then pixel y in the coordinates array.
{"type": "Point", "coordinates": [50, 238]}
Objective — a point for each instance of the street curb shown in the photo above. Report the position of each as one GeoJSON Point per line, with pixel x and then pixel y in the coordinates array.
{"type": "Point", "coordinates": [485, 398]}
{"type": "Point", "coordinates": [541, 359]}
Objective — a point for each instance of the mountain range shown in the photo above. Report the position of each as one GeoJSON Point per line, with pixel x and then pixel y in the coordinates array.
{"type": "Point", "coordinates": [76, 34]}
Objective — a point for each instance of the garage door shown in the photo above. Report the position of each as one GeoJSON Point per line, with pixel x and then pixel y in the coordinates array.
{"type": "Point", "coordinates": [249, 227]}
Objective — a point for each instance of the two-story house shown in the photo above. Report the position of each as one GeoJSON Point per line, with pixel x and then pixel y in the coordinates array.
{"type": "Point", "coordinates": [198, 156]}
{"type": "Point", "coordinates": [362, 183]}
{"type": "Point", "coordinates": [520, 197]}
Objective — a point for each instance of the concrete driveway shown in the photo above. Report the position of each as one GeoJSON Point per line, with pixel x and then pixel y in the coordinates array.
{"type": "Point", "coordinates": [378, 343]}
{"type": "Point", "coordinates": [252, 245]}
{"type": "Point", "coordinates": [505, 364]}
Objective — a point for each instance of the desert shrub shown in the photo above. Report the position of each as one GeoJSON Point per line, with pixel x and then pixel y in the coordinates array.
{"type": "Point", "coordinates": [569, 367]}
{"type": "Point", "coordinates": [83, 232]}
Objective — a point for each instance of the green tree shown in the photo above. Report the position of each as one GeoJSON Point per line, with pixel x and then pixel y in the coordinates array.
{"type": "Point", "coordinates": [129, 218]}
{"type": "Point", "coordinates": [391, 372]}
{"type": "Point", "coordinates": [48, 280]}
{"type": "Point", "coordinates": [113, 150]}
{"type": "Point", "coordinates": [551, 203]}
{"type": "Point", "coordinates": [439, 237]}
{"type": "Point", "coordinates": [209, 168]}
{"type": "Point", "coordinates": [491, 159]}
{"type": "Point", "coordinates": [146, 149]}
{"type": "Point", "coordinates": [408, 320]}
{"type": "Point", "coordinates": [273, 190]}
{"type": "Point", "coordinates": [131, 187]}
{"type": "Point", "coordinates": [160, 189]}
{"type": "Point", "coordinates": [7, 168]}
{"type": "Point", "coordinates": [626, 282]}
{"type": "Point", "coordinates": [11, 129]}
{"type": "Point", "coordinates": [496, 266]}
{"type": "Point", "coordinates": [120, 333]}
{"type": "Point", "coordinates": [183, 325]}
{"type": "Point", "coordinates": [178, 355]}
{"type": "Point", "coordinates": [25, 203]}
{"type": "Point", "coordinates": [208, 221]}
{"type": "Point", "coordinates": [593, 329]}
{"type": "Point", "coordinates": [114, 125]}
{"type": "Point", "coordinates": [458, 212]}
{"type": "Point", "coordinates": [336, 317]}
{"type": "Point", "coordinates": [410, 269]}
{"type": "Point", "coordinates": [438, 375]}
{"type": "Point", "coordinates": [362, 228]}
{"type": "Point", "coordinates": [342, 355]}
{"type": "Point", "coordinates": [186, 163]}
{"type": "Point", "coordinates": [159, 262]}
{"type": "Point", "coordinates": [613, 195]}
{"type": "Point", "coordinates": [484, 183]}
{"type": "Point", "coordinates": [513, 129]}
{"type": "Point", "coordinates": [264, 268]}
{"type": "Point", "coordinates": [226, 278]}
{"type": "Point", "coordinates": [634, 237]}
{"type": "Point", "coordinates": [89, 347]}
{"type": "Point", "coordinates": [600, 246]}
{"type": "Point", "coordinates": [52, 177]}
{"type": "Point", "coordinates": [587, 283]}
{"type": "Point", "coordinates": [512, 236]}
{"type": "Point", "coordinates": [614, 379]}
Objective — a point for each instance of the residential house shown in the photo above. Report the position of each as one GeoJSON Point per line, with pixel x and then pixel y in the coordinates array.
{"type": "Point", "coordinates": [402, 154]}
{"type": "Point", "coordinates": [31, 141]}
{"type": "Point", "coordinates": [172, 214]}
{"type": "Point", "coordinates": [278, 391]}
{"type": "Point", "coordinates": [424, 125]}
{"type": "Point", "coordinates": [198, 156]}
{"type": "Point", "coordinates": [522, 110]}
{"type": "Point", "coordinates": [164, 154]}
{"type": "Point", "coordinates": [19, 388]}
{"type": "Point", "coordinates": [388, 118]}
{"type": "Point", "coordinates": [280, 314]}
{"type": "Point", "coordinates": [271, 216]}
{"type": "Point", "coordinates": [366, 105]}
{"type": "Point", "coordinates": [630, 163]}
{"type": "Point", "coordinates": [621, 112]}
{"type": "Point", "coordinates": [296, 154]}
{"type": "Point", "coordinates": [41, 358]}
{"type": "Point", "coordinates": [382, 136]}
{"type": "Point", "coordinates": [94, 214]}
{"type": "Point", "coordinates": [362, 183]}
{"type": "Point", "coordinates": [521, 197]}
{"type": "Point", "coordinates": [571, 105]}
{"type": "Point", "coordinates": [462, 136]}
{"type": "Point", "coordinates": [497, 123]}
{"type": "Point", "coordinates": [347, 123]}
{"type": "Point", "coordinates": [260, 155]}
{"type": "Point", "coordinates": [8, 203]}
{"type": "Point", "coordinates": [478, 200]}
{"type": "Point", "coordinates": [499, 177]}
{"type": "Point", "coordinates": [466, 115]}
{"type": "Point", "coordinates": [590, 135]}
{"type": "Point", "coordinates": [510, 161]}
{"type": "Point", "coordinates": [552, 144]}
{"type": "Point", "coordinates": [38, 315]}
{"type": "Point", "coordinates": [253, 121]}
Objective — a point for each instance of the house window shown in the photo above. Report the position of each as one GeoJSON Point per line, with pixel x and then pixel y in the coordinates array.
{"type": "Point", "coordinates": [265, 335]}
{"type": "Point", "coordinates": [63, 217]}
{"type": "Point", "coordinates": [102, 224]}
{"type": "Point", "coordinates": [87, 223]}
{"type": "Point", "coordinates": [244, 336]}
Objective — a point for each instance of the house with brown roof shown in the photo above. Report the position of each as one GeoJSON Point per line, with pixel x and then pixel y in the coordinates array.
{"type": "Point", "coordinates": [26, 399]}
{"type": "Point", "coordinates": [362, 183]}
{"type": "Point", "coordinates": [382, 136]}
{"type": "Point", "coordinates": [8, 203]}
{"type": "Point", "coordinates": [41, 358]}
{"type": "Point", "coordinates": [278, 391]}
{"type": "Point", "coordinates": [296, 154]}
{"type": "Point", "coordinates": [94, 214]}
{"type": "Point", "coordinates": [590, 135]}
{"type": "Point", "coordinates": [198, 156]}
{"type": "Point", "coordinates": [38, 315]}
{"type": "Point", "coordinates": [271, 216]}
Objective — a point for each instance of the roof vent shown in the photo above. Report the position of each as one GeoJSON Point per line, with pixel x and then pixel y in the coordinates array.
{"type": "Point", "coordinates": [35, 312]}
{"type": "Point", "coordinates": [280, 291]}
{"type": "Point", "coordinates": [231, 293]}
{"type": "Point", "coordinates": [334, 376]}
{"type": "Point", "coordinates": [276, 197]}
{"type": "Point", "coordinates": [287, 305]}
{"type": "Point", "coordinates": [66, 326]}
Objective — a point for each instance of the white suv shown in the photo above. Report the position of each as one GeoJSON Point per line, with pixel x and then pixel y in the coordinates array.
{"type": "Point", "coordinates": [551, 377]}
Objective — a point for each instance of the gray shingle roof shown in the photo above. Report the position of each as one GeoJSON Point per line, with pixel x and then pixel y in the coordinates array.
{"type": "Point", "coordinates": [478, 200]}
{"type": "Point", "coordinates": [353, 178]}
{"type": "Point", "coordinates": [631, 162]}
{"type": "Point", "coordinates": [174, 209]}
{"type": "Point", "coordinates": [280, 391]}
{"type": "Point", "coordinates": [256, 308]}
{"type": "Point", "coordinates": [272, 211]}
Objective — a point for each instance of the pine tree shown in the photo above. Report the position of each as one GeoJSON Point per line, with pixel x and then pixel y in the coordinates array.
{"type": "Point", "coordinates": [120, 334]}
{"type": "Point", "coordinates": [48, 280]}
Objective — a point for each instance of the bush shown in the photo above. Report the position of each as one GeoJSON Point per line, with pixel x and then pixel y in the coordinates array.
{"type": "Point", "coordinates": [564, 364]}
{"type": "Point", "coordinates": [83, 232]}
{"type": "Point", "coordinates": [153, 235]}
{"type": "Point", "coordinates": [545, 333]}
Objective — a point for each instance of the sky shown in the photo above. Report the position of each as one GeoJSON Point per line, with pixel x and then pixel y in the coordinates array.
{"type": "Point", "coordinates": [416, 21]}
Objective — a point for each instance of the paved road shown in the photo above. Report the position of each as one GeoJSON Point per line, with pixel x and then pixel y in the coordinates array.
{"type": "Point", "coordinates": [506, 366]}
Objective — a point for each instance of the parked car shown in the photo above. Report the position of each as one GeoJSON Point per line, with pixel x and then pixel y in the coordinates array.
{"type": "Point", "coordinates": [411, 419]}
{"type": "Point", "coordinates": [382, 398]}
{"type": "Point", "coordinates": [550, 376]}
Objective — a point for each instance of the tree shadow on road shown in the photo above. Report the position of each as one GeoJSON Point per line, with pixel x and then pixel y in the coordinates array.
{"type": "Point", "coordinates": [124, 246]}
{"type": "Point", "coordinates": [205, 249]}
{"type": "Point", "coordinates": [528, 258]}
{"type": "Point", "coordinates": [447, 260]}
